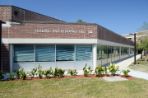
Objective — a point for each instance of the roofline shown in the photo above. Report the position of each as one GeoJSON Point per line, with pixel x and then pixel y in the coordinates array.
{"type": "Point", "coordinates": [31, 11]}
{"type": "Point", "coordinates": [66, 23]}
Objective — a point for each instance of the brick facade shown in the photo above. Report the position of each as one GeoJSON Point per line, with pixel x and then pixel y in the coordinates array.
{"type": "Point", "coordinates": [5, 13]}
{"type": "Point", "coordinates": [108, 35]}
{"type": "Point", "coordinates": [28, 30]}
{"type": "Point", "coordinates": [12, 13]}
{"type": "Point", "coordinates": [5, 62]}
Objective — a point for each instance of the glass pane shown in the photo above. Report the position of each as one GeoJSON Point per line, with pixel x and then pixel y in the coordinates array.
{"type": "Point", "coordinates": [24, 53]}
{"type": "Point", "coordinates": [45, 53]}
{"type": "Point", "coordinates": [65, 53]}
{"type": "Point", "coordinates": [104, 52]}
{"type": "Point", "coordinates": [99, 53]}
{"type": "Point", "coordinates": [83, 52]}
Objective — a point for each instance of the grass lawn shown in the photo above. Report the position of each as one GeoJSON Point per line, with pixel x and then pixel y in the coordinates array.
{"type": "Point", "coordinates": [142, 65]}
{"type": "Point", "coordinates": [73, 88]}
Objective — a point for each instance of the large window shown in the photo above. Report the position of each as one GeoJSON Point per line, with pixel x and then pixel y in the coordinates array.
{"type": "Point", "coordinates": [104, 52]}
{"type": "Point", "coordinates": [99, 52]}
{"type": "Point", "coordinates": [65, 53]}
{"type": "Point", "coordinates": [24, 53]}
{"type": "Point", "coordinates": [52, 53]}
{"type": "Point", "coordinates": [83, 52]}
{"type": "Point", "coordinates": [124, 51]}
{"type": "Point", "coordinates": [45, 53]}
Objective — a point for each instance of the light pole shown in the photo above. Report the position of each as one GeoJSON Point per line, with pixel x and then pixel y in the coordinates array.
{"type": "Point", "coordinates": [135, 48]}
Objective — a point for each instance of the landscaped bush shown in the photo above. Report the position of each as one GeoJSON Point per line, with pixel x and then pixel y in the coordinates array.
{"type": "Point", "coordinates": [72, 72]}
{"type": "Point", "coordinates": [22, 74]}
{"type": "Point", "coordinates": [100, 70]}
{"type": "Point", "coordinates": [40, 73]}
{"type": "Point", "coordinates": [33, 72]}
{"type": "Point", "coordinates": [11, 76]}
{"type": "Point", "coordinates": [48, 73]}
{"type": "Point", "coordinates": [126, 72]}
{"type": "Point", "coordinates": [113, 69]}
{"type": "Point", "coordinates": [87, 70]}
{"type": "Point", "coordinates": [58, 72]}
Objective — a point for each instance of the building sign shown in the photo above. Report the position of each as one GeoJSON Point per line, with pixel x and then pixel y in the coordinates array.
{"type": "Point", "coordinates": [62, 31]}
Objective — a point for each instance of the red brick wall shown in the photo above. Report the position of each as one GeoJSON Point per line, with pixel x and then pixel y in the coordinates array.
{"type": "Point", "coordinates": [12, 13]}
{"type": "Point", "coordinates": [28, 30]}
{"type": "Point", "coordinates": [19, 14]}
{"type": "Point", "coordinates": [5, 13]}
{"type": "Point", "coordinates": [108, 35]}
{"type": "Point", "coordinates": [5, 67]}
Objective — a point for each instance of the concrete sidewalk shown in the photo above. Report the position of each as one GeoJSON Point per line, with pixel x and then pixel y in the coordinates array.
{"type": "Point", "coordinates": [124, 65]}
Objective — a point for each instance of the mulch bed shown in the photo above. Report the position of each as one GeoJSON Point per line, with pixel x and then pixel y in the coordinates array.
{"type": "Point", "coordinates": [76, 77]}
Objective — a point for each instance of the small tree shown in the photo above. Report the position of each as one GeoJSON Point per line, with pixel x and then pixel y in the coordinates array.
{"type": "Point", "coordinates": [143, 44]}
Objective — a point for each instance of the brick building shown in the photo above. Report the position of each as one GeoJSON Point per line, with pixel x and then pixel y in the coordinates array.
{"type": "Point", "coordinates": [30, 39]}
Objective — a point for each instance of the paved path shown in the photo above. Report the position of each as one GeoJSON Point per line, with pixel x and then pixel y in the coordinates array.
{"type": "Point", "coordinates": [138, 74]}
{"type": "Point", "coordinates": [124, 65]}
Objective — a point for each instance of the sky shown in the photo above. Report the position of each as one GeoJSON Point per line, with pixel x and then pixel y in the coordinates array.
{"type": "Point", "coordinates": [120, 16]}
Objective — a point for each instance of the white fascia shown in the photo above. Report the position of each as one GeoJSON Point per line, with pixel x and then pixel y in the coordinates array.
{"type": "Point", "coordinates": [109, 43]}
{"type": "Point", "coordinates": [6, 24]}
{"type": "Point", "coordinates": [47, 41]}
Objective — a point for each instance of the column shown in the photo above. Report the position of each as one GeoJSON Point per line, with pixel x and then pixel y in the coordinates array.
{"type": "Point", "coordinates": [11, 57]}
{"type": "Point", "coordinates": [120, 53]}
{"type": "Point", "coordinates": [94, 56]}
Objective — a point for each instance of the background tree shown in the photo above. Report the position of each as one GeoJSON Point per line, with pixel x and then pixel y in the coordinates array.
{"type": "Point", "coordinates": [144, 26]}
{"type": "Point", "coordinates": [143, 45]}
{"type": "Point", "coordinates": [80, 21]}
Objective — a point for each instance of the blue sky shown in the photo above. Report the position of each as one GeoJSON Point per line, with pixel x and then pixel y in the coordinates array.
{"type": "Point", "coordinates": [120, 16]}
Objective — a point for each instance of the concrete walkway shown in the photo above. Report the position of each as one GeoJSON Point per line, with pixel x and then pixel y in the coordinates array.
{"type": "Point", "coordinates": [124, 65]}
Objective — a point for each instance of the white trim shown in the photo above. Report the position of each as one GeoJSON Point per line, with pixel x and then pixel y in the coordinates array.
{"type": "Point", "coordinates": [60, 41]}
{"type": "Point", "coordinates": [104, 42]}
{"type": "Point", "coordinates": [47, 41]}
{"type": "Point", "coordinates": [6, 24]}
{"type": "Point", "coordinates": [94, 56]}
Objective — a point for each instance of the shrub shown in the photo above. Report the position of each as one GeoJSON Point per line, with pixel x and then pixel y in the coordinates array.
{"type": "Point", "coordinates": [17, 74]}
{"type": "Point", "coordinates": [48, 73]}
{"type": "Point", "coordinates": [40, 72]}
{"type": "Point", "coordinates": [1, 76]}
{"type": "Point", "coordinates": [126, 72]}
{"type": "Point", "coordinates": [113, 69]}
{"type": "Point", "coordinates": [11, 76]}
{"type": "Point", "coordinates": [87, 70]}
{"type": "Point", "coordinates": [72, 72]}
{"type": "Point", "coordinates": [58, 72]}
{"type": "Point", "coordinates": [33, 72]}
{"type": "Point", "coordinates": [99, 70]}
{"type": "Point", "coordinates": [22, 74]}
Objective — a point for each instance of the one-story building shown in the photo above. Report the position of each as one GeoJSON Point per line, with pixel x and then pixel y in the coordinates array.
{"type": "Point", "coordinates": [30, 39]}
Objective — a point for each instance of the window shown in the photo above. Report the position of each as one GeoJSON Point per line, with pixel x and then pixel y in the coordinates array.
{"type": "Point", "coordinates": [104, 52]}
{"type": "Point", "coordinates": [65, 53]}
{"type": "Point", "coordinates": [24, 53]}
{"type": "Point", "coordinates": [124, 51]}
{"type": "Point", "coordinates": [45, 53]}
{"type": "Point", "coordinates": [83, 52]}
{"type": "Point", "coordinates": [99, 52]}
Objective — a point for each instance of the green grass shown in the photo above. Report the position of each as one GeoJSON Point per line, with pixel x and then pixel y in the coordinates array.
{"type": "Point", "coordinates": [142, 64]}
{"type": "Point", "coordinates": [74, 88]}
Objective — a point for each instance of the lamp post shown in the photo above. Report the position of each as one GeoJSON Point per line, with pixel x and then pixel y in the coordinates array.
{"type": "Point", "coordinates": [135, 48]}
{"type": "Point", "coordinates": [1, 22]}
